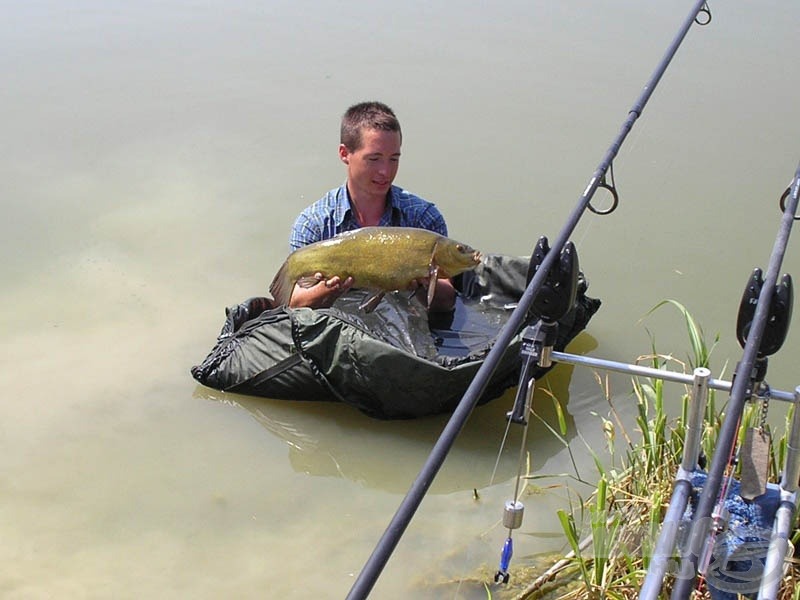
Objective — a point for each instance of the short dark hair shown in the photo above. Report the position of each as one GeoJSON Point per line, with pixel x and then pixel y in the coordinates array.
{"type": "Point", "coordinates": [366, 115]}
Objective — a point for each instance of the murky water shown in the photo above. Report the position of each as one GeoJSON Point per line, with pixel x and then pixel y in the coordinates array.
{"type": "Point", "coordinates": [155, 155]}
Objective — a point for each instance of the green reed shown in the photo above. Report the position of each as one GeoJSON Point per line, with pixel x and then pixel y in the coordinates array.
{"type": "Point", "coordinates": [623, 514]}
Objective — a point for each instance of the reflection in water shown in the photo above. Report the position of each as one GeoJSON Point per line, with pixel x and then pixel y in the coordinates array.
{"type": "Point", "coordinates": [334, 440]}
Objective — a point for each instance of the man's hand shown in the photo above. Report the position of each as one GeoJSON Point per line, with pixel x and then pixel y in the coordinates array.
{"type": "Point", "coordinates": [321, 294]}
{"type": "Point", "coordinates": [444, 297]}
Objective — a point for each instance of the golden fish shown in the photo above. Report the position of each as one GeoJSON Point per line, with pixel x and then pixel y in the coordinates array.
{"type": "Point", "coordinates": [381, 259]}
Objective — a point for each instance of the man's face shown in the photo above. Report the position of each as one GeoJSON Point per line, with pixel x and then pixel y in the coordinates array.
{"type": "Point", "coordinates": [372, 168]}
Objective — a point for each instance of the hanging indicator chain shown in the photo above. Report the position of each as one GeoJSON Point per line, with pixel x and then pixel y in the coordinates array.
{"type": "Point", "coordinates": [512, 519]}
{"type": "Point", "coordinates": [755, 447]}
{"type": "Point", "coordinates": [554, 300]}
{"type": "Point", "coordinates": [514, 510]}
{"type": "Point", "coordinates": [533, 350]}
{"type": "Point", "coordinates": [754, 450]}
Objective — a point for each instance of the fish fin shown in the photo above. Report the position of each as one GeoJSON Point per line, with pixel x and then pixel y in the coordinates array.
{"type": "Point", "coordinates": [433, 273]}
{"type": "Point", "coordinates": [281, 287]}
{"type": "Point", "coordinates": [372, 302]}
{"type": "Point", "coordinates": [309, 281]}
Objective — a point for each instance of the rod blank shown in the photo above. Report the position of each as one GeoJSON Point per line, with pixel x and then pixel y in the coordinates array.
{"type": "Point", "coordinates": [385, 547]}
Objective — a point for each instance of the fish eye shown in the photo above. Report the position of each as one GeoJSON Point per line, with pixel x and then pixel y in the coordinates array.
{"type": "Point", "coordinates": [460, 247]}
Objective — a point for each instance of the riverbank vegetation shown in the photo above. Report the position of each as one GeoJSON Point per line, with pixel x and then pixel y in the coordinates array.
{"type": "Point", "coordinates": [612, 534]}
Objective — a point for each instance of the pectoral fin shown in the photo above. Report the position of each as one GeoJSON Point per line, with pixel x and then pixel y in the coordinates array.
{"type": "Point", "coordinates": [372, 302]}
{"type": "Point", "coordinates": [433, 273]}
{"type": "Point", "coordinates": [308, 281]}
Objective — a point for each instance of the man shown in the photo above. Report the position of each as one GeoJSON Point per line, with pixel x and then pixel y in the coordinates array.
{"type": "Point", "coordinates": [370, 150]}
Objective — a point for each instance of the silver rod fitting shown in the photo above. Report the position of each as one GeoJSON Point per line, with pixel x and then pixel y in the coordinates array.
{"type": "Point", "coordinates": [694, 426]}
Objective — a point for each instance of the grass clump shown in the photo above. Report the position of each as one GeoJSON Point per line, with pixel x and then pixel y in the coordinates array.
{"type": "Point", "coordinates": [612, 534]}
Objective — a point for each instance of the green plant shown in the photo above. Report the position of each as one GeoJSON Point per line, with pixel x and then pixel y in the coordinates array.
{"type": "Point", "coordinates": [626, 509]}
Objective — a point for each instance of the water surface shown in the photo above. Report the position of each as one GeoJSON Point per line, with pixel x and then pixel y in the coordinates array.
{"type": "Point", "coordinates": [155, 155]}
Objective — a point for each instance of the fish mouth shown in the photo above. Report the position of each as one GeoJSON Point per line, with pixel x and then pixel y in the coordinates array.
{"type": "Point", "coordinates": [477, 256]}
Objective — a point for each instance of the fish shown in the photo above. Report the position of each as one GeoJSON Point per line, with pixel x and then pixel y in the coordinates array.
{"type": "Point", "coordinates": [380, 259]}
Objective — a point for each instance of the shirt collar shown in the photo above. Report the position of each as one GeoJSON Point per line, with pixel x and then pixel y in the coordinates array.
{"type": "Point", "coordinates": [343, 212]}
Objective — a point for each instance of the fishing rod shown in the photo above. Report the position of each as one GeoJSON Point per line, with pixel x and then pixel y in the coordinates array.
{"type": "Point", "coordinates": [699, 14]}
{"type": "Point", "coordinates": [704, 525]}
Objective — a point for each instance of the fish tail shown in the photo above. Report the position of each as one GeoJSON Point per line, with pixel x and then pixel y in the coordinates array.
{"type": "Point", "coordinates": [281, 287]}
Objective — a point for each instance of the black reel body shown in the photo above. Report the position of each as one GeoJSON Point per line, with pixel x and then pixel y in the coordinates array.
{"type": "Point", "coordinates": [558, 293]}
{"type": "Point", "coordinates": [780, 313]}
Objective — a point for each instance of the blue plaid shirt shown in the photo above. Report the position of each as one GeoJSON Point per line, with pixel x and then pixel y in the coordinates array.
{"type": "Point", "coordinates": [332, 214]}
